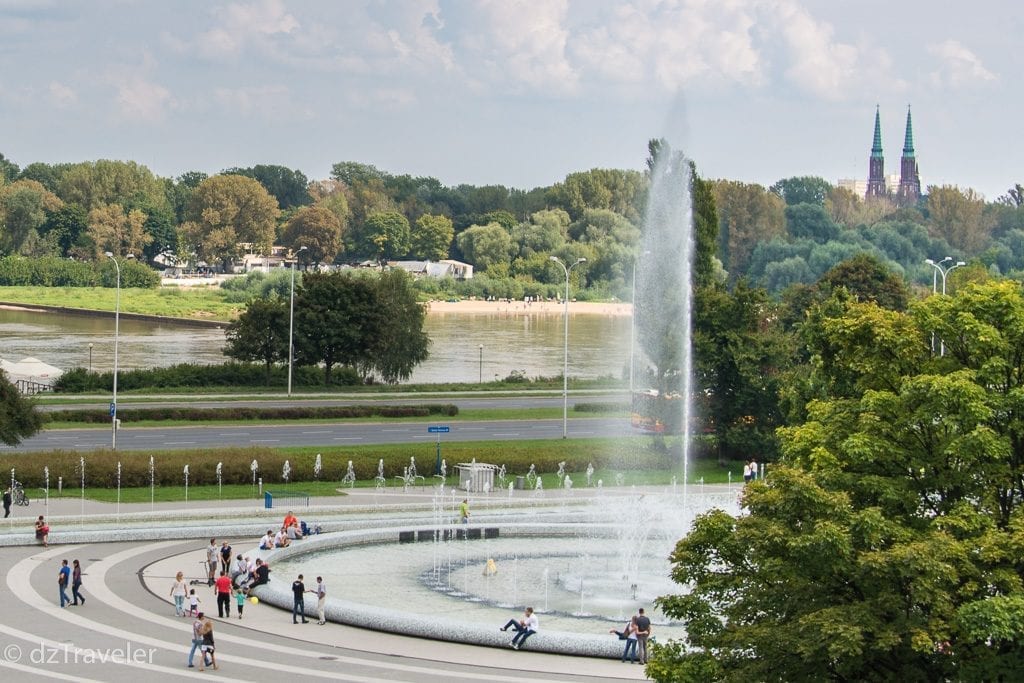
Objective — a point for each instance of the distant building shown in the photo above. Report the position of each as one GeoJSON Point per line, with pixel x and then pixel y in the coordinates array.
{"type": "Point", "coordinates": [435, 269]}
{"type": "Point", "coordinates": [907, 189]}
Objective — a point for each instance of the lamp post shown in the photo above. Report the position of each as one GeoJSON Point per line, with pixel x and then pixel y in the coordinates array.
{"type": "Point", "coordinates": [943, 271]}
{"type": "Point", "coordinates": [90, 357]}
{"type": "Point", "coordinates": [291, 321]}
{"type": "Point", "coordinates": [117, 334]}
{"type": "Point", "coordinates": [565, 367]}
{"type": "Point", "coordinates": [481, 380]}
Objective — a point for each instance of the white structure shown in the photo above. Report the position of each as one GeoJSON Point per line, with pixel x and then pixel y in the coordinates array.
{"type": "Point", "coordinates": [31, 375]}
{"type": "Point", "coordinates": [435, 269]}
{"type": "Point", "coordinates": [477, 477]}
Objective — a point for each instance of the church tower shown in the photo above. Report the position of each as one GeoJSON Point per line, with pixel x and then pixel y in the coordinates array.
{"type": "Point", "coordinates": [876, 166]}
{"type": "Point", "coordinates": [910, 182]}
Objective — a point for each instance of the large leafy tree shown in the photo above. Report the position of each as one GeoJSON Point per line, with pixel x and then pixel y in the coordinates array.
{"type": "Point", "coordinates": [95, 183]}
{"type": "Point", "coordinates": [316, 228]}
{"type": "Point", "coordinates": [748, 214]}
{"type": "Point", "coordinates": [63, 228]}
{"type": "Point", "coordinates": [887, 544]}
{"type": "Point", "coordinates": [288, 186]}
{"type": "Point", "coordinates": [112, 228]}
{"type": "Point", "coordinates": [260, 334]}
{"type": "Point", "coordinates": [227, 210]}
{"type": "Point", "coordinates": [384, 236]}
{"type": "Point", "coordinates": [336, 316]}
{"type": "Point", "coordinates": [958, 217]}
{"type": "Point", "coordinates": [399, 344]}
{"type": "Point", "coordinates": [487, 247]}
{"type": "Point", "coordinates": [432, 237]}
{"type": "Point", "coordinates": [19, 418]}
{"type": "Point", "coordinates": [802, 190]}
{"type": "Point", "coordinates": [867, 278]}
{"type": "Point", "coordinates": [24, 205]}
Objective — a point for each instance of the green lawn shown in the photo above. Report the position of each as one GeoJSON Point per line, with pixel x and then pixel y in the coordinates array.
{"type": "Point", "coordinates": [205, 303]}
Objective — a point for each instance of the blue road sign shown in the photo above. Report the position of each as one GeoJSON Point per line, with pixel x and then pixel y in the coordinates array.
{"type": "Point", "coordinates": [441, 429]}
{"type": "Point", "coordinates": [113, 409]}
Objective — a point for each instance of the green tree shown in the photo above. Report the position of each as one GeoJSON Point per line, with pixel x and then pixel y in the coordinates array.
{"type": "Point", "coordinates": [46, 175]}
{"type": "Point", "coordinates": [868, 279]}
{"type": "Point", "coordinates": [336, 316]}
{"type": "Point", "coordinates": [63, 228]}
{"type": "Point", "coordinates": [8, 170]}
{"type": "Point", "coordinates": [288, 186]}
{"type": "Point", "coordinates": [432, 237]}
{"type": "Point", "coordinates": [19, 418]}
{"type": "Point", "coordinates": [227, 210]}
{"type": "Point", "coordinates": [486, 246]}
{"type": "Point", "coordinates": [114, 229]}
{"type": "Point", "coordinates": [24, 205]}
{"type": "Point", "coordinates": [802, 190]}
{"type": "Point", "coordinates": [95, 183]}
{"type": "Point", "coordinates": [748, 214]}
{"type": "Point", "coordinates": [810, 221]}
{"type": "Point", "coordinates": [399, 343]}
{"type": "Point", "coordinates": [545, 233]}
{"type": "Point", "coordinates": [958, 217]}
{"type": "Point", "coordinates": [260, 334]}
{"type": "Point", "coordinates": [384, 236]}
{"type": "Point", "coordinates": [318, 229]}
{"type": "Point", "coordinates": [353, 173]}
{"type": "Point", "coordinates": [884, 545]}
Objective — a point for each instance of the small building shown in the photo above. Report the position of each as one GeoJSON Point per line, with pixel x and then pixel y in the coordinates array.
{"type": "Point", "coordinates": [435, 269]}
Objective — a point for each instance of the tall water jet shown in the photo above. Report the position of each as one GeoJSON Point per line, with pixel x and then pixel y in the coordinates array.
{"type": "Point", "coordinates": [664, 296]}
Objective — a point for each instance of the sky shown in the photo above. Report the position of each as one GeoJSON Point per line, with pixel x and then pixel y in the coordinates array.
{"type": "Point", "coordinates": [515, 92]}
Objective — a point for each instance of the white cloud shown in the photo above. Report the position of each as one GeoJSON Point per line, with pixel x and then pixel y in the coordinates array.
{"type": "Point", "coordinates": [62, 95]}
{"type": "Point", "coordinates": [271, 102]}
{"type": "Point", "coordinates": [141, 100]}
{"type": "Point", "coordinates": [818, 63]}
{"type": "Point", "coordinates": [241, 24]}
{"type": "Point", "coordinates": [958, 66]}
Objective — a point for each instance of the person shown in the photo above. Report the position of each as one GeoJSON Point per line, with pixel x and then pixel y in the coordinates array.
{"type": "Point", "coordinates": [261, 575]}
{"type": "Point", "coordinates": [298, 603]}
{"type": "Point", "coordinates": [211, 561]}
{"type": "Point", "coordinates": [267, 542]}
{"type": "Point", "coordinates": [207, 647]}
{"type": "Point", "coordinates": [753, 470]}
{"type": "Point", "coordinates": [464, 511]}
{"type": "Point", "coordinates": [63, 577]}
{"type": "Point", "coordinates": [524, 628]}
{"type": "Point", "coordinates": [281, 539]}
{"type": "Point", "coordinates": [222, 589]}
{"type": "Point", "coordinates": [179, 589]}
{"type": "Point", "coordinates": [76, 583]}
{"type": "Point", "coordinates": [746, 472]}
{"type": "Point", "coordinates": [628, 634]}
{"type": "Point", "coordinates": [643, 632]}
{"type": "Point", "coordinates": [291, 526]}
{"type": "Point", "coordinates": [197, 637]}
{"type": "Point", "coordinates": [225, 556]}
{"type": "Point", "coordinates": [321, 599]}
{"type": "Point", "coordinates": [7, 502]}
{"type": "Point", "coordinates": [42, 531]}
{"type": "Point", "coordinates": [193, 602]}
{"type": "Point", "coordinates": [239, 600]}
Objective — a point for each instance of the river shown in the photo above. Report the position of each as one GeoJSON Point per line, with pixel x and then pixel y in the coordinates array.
{"type": "Point", "coordinates": [531, 344]}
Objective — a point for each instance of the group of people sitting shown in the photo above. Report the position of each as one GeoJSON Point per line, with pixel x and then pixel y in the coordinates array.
{"type": "Point", "coordinates": [246, 574]}
{"type": "Point", "coordinates": [291, 529]}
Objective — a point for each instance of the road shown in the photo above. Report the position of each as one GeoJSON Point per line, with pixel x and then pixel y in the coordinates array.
{"type": "Point", "coordinates": [278, 435]}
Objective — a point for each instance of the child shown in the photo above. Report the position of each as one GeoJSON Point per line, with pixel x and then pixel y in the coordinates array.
{"type": "Point", "coordinates": [193, 603]}
{"type": "Point", "coordinates": [239, 600]}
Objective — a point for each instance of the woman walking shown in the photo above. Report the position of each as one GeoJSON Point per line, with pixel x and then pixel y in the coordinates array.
{"type": "Point", "coordinates": [179, 589]}
{"type": "Point", "coordinates": [76, 583]}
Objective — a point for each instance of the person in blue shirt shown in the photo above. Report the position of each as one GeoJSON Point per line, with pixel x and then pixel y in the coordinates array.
{"type": "Point", "coordinates": [63, 579]}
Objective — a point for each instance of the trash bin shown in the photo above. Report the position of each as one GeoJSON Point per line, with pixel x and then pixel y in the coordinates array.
{"type": "Point", "coordinates": [268, 500]}
{"type": "Point", "coordinates": [521, 483]}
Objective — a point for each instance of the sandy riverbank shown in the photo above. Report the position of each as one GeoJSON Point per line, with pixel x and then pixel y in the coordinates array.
{"type": "Point", "coordinates": [532, 308]}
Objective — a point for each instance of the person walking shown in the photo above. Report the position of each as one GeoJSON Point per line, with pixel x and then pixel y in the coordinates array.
{"type": "Point", "coordinates": [321, 599]}
{"type": "Point", "coordinates": [239, 601]}
{"type": "Point", "coordinates": [76, 583]}
{"type": "Point", "coordinates": [179, 591]}
{"type": "Point", "coordinates": [211, 561]}
{"type": "Point", "coordinates": [63, 578]}
{"type": "Point", "coordinates": [643, 632]}
{"type": "Point", "coordinates": [208, 648]}
{"type": "Point", "coordinates": [524, 628]}
{"type": "Point", "coordinates": [222, 589]}
{"type": "Point", "coordinates": [464, 511]}
{"type": "Point", "coordinates": [7, 502]}
{"type": "Point", "coordinates": [197, 638]}
{"type": "Point", "coordinates": [298, 602]}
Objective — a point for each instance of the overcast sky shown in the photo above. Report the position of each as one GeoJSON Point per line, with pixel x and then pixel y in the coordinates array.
{"type": "Point", "coordinates": [516, 92]}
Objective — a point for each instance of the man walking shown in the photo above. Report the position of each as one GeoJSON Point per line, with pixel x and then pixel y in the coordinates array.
{"type": "Point", "coordinates": [321, 599]}
{"type": "Point", "coordinates": [643, 632]}
{"type": "Point", "coordinates": [63, 578]}
{"type": "Point", "coordinates": [222, 589]}
{"type": "Point", "coordinates": [298, 604]}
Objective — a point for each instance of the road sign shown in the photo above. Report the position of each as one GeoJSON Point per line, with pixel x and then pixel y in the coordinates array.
{"type": "Point", "coordinates": [113, 409]}
{"type": "Point", "coordinates": [440, 429]}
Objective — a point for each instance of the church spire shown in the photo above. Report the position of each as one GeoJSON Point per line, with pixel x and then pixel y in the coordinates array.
{"type": "Point", "coordinates": [909, 191]}
{"type": "Point", "coordinates": [876, 164]}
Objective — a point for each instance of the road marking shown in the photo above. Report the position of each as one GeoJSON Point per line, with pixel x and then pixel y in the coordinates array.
{"type": "Point", "coordinates": [348, 438]}
{"type": "Point", "coordinates": [397, 431]}
{"type": "Point", "coordinates": [178, 443]}
{"type": "Point", "coordinates": [509, 434]}
{"type": "Point", "coordinates": [265, 440]}
{"type": "Point", "coordinates": [322, 431]}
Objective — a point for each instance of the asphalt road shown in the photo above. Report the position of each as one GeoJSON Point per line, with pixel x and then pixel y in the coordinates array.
{"type": "Point", "coordinates": [278, 435]}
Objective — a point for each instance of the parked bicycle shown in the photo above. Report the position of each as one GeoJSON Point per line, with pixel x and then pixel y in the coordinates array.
{"type": "Point", "coordinates": [18, 495]}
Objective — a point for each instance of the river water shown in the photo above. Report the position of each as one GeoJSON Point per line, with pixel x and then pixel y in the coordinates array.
{"type": "Point", "coordinates": [512, 342]}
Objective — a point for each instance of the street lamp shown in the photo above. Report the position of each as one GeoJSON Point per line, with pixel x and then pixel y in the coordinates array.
{"type": "Point", "coordinates": [481, 380]}
{"type": "Point", "coordinates": [117, 334]}
{"type": "Point", "coordinates": [565, 367]}
{"type": "Point", "coordinates": [943, 271]}
{"type": "Point", "coordinates": [291, 320]}
{"type": "Point", "coordinates": [90, 357]}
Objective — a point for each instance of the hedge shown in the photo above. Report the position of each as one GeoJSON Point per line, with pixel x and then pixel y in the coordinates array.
{"type": "Point", "coordinates": [187, 414]}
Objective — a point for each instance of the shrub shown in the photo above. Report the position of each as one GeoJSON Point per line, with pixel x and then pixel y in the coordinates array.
{"type": "Point", "coordinates": [188, 414]}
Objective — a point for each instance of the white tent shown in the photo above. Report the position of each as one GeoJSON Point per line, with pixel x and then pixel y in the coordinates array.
{"type": "Point", "coordinates": [31, 370]}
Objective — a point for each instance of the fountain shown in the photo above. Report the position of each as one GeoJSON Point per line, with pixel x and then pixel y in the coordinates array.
{"type": "Point", "coordinates": [590, 473]}
{"type": "Point", "coordinates": [117, 509]}
{"type": "Point", "coordinates": [350, 476]}
{"type": "Point", "coordinates": [317, 467]}
{"type": "Point", "coordinates": [379, 481]}
{"type": "Point", "coordinates": [81, 476]}
{"type": "Point", "coordinates": [286, 471]}
{"type": "Point", "coordinates": [46, 490]}
{"type": "Point", "coordinates": [220, 480]}
{"type": "Point", "coordinates": [255, 467]}
{"type": "Point", "coordinates": [152, 482]}
{"type": "Point", "coordinates": [185, 472]}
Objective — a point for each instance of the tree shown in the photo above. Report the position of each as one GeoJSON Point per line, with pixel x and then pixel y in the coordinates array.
{"type": "Point", "coordinates": [227, 210]}
{"type": "Point", "coordinates": [884, 545]}
{"type": "Point", "coordinates": [63, 228]}
{"type": "Point", "coordinates": [1014, 196]}
{"type": "Point", "coordinates": [288, 186]}
{"type": "Point", "coordinates": [810, 221]}
{"type": "Point", "coordinates": [432, 237]}
{"type": "Point", "coordinates": [802, 190]}
{"type": "Point", "coordinates": [336, 317]}
{"type": "Point", "coordinates": [384, 236]}
{"type": "Point", "coordinates": [95, 183]}
{"type": "Point", "coordinates": [958, 217]}
{"type": "Point", "coordinates": [867, 278]}
{"type": "Point", "coordinates": [8, 170]}
{"type": "Point", "coordinates": [353, 172]}
{"type": "Point", "coordinates": [260, 334]}
{"type": "Point", "coordinates": [24, 205]}
{"type": "Point", "coordinates": [486, 246]}
{"type": "Point", "coordinates": [317, 228]}
{"type": "Point", "coordinates": [399, 344]}
{"type": "Point", "coordinates": [747, 215]}
{"type": "Point", "coordinates": [19, 418]}
{"type": "Point", "coordinates": [545, 233]}
{"type": "Point", "coordinates": [112, 228]}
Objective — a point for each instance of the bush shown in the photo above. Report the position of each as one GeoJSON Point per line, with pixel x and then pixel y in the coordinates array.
{"type": "Point", "coordinates": [185, 375]}
{"type": "Point", "coordinates": [245, 413]}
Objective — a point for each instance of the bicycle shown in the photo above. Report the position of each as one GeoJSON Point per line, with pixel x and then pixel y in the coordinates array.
{"type": "Point", "coordinates": [18, 495]}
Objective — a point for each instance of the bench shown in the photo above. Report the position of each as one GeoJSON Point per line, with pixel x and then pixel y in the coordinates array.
{"type": "Point", "coordinates": [268, 497]}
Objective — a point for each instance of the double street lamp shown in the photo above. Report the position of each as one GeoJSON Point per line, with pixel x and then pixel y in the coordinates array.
{"type": "Point", "coordinates": [565, 368]}
{"type": "Point", "coordinates": [943, 270]}
{"type": "Point", "coordinates": [291, 321]}
{"type": "Point", "coordinates": [117, 334]}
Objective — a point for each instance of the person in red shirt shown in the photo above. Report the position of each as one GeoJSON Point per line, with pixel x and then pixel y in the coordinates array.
{"type": "Point", "coordinates": [292, 526]}
{"type": "Point", "coordinates": [222, 588]}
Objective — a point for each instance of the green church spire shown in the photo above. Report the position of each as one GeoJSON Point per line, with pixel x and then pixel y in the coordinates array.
{"type": "Point", "coordinates": [876, 147]}
{"type": "Point", "coordinates": [908, 141]}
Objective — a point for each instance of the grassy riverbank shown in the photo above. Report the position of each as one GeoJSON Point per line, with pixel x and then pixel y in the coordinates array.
{"type": "Point", "coordinates": [200, 303]}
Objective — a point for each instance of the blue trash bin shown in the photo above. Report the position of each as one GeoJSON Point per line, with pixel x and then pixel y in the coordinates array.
{"type": "Point", "coordinates": [268, 500]}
